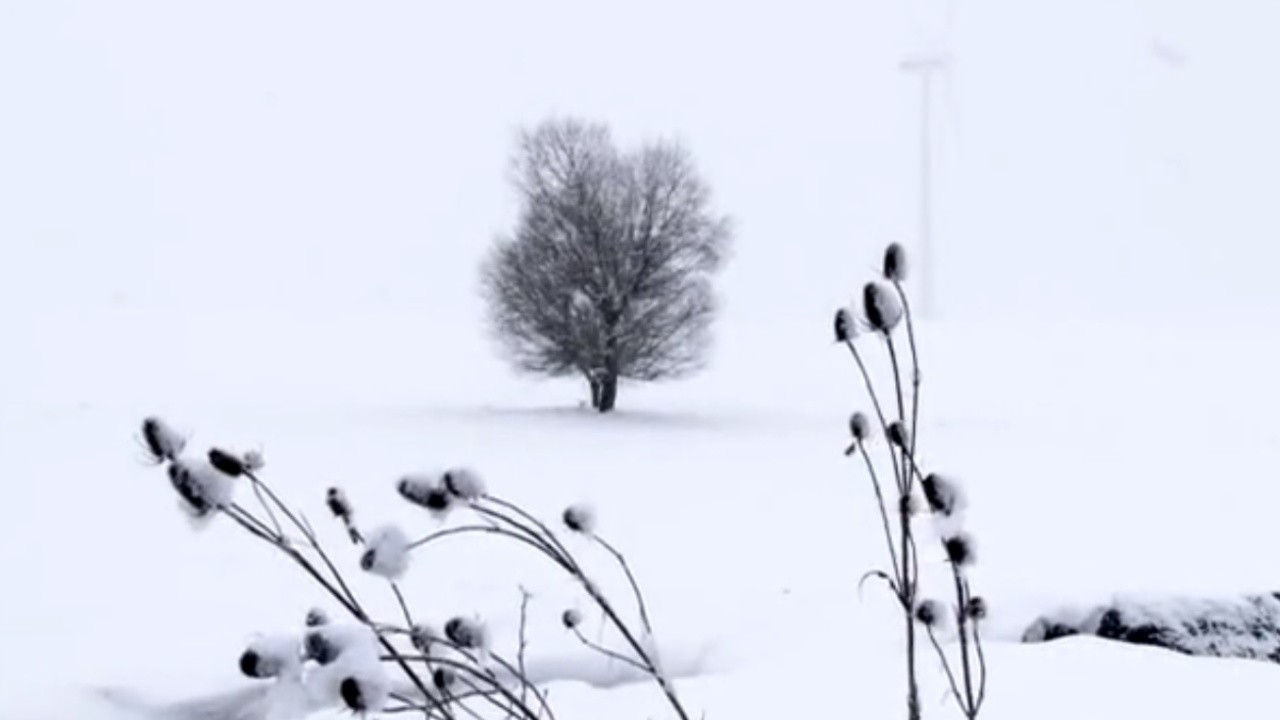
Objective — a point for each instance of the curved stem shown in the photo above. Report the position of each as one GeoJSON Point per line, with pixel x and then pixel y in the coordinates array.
{"type": "Point", "coordinates": [884, 519]}
{"type": "Point", "coordinates": [631, 578]}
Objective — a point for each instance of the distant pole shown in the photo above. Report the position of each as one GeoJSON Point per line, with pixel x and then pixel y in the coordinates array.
{"type": "Point", "coordinates": [924, 66]}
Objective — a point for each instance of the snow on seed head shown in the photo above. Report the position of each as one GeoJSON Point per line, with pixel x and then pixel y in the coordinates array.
{"type": "Point", "coordinates": [929, 613]}
{"type": "Point", "coordinates": [895, 263]}
{"type": "Point", "coordinates": [943, 495]}
{"type": "Point", "coordinates": [898, 435]}
{"type": "Point", "coordinates": [203, 489]}
{"type": "Point", "coordinates": [909, 505]}
{"type": "Point", "coordinates": [163, 442]}
{"type": "Point", "coordinates": [227, 462]}
{"type": "Point", "coordinates": [423, 637]}
{"type": "Point", "coordinates": [881, 308]}
{"type": "Point", "coordinates": [859, 427]}
{"type": "Point", "coordinates": [463, 484]}
{"type": "Point", "coordinates": [270, 657]}
{"type": "Point", "coordinates": [580, 518]}
{"type": "Point", "coordinates": [571, 618]}
{"type": "Point", "coordinates": [443, 678]}
{"type": "Point", "coordinates": [354, 678]}
{"type": "Point", "coordinates": [976, 608]}
{"type": "Point", "coordinates": [326, 643]}
{"type": "Point", "coordinates": [426, 491]}
{"type": "Point", "coordinates": [959, 549]}
{"type": "Point", "coordinates": [317, 617]}
{"type": "Point", "coordinates": [387, 552]}
{"type": "Point", "coordinates": [364, 692]}
{"type": "Point", "coordinates": [253, 460]}
{"type": "Point", "coordinates": [466, 633]}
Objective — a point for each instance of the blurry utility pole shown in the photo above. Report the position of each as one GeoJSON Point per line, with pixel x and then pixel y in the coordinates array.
{"type": "Point", "coordinates": [924, 66]}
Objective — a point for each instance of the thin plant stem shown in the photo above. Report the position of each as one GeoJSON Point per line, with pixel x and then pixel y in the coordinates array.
{"type": "Point", "coordinates": [875, 403]}
{"type": "Point", "coordinates": [546, 531]}
{"type": "Point", "coordinates": [962, 597]}
{"type": "Point", "coordinates": [654, 671]}
{"type": "Point", "coordinates": [523, 639]}
{"type": "Point", "coordinates": [404, 606]}
{"type": "Point", "coordinates": [631, 578]}
{"type": "Point", "coordinates": [612, 654]}
{"type": "Point", "coordinates": [946, 666]}
{"type": "Point", "coordinates": [915, 362]}
{"type": "Point", "coordinates": [347, 600]}
{"type": "Point", "coordinates": [491, 530]}
{"type": "Point", "coordinates": [884, 517]}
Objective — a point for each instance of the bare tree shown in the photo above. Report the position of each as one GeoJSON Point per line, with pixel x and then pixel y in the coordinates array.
{"type": "Point", "coordinates": [607, 274]}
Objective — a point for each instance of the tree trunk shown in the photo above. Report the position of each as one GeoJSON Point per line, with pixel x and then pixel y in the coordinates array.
{"type": "Point", "coordinates": [594, 381]}
{"type": "Point", "coordinates": [608, 394]}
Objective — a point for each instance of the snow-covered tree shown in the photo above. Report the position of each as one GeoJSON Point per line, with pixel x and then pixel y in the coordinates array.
{"type": "Point", "coordinates": [607, 273]}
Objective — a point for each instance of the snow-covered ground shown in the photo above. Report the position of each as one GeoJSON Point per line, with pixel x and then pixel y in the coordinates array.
{"type": "Point", "coordinates": [262, 222]}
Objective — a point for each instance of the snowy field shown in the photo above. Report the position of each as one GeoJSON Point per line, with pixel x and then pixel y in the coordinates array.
{"type": "Point", "coordinates": [262, 224]}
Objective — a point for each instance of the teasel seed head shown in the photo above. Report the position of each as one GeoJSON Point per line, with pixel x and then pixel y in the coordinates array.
{"type": "Point", "coordinates": [580, 519]}
{"type": "Point", "coordinates": [845, 327]}
{"type": "Point", "coordinates": [882, 309]}
{"type": "Point", "coordinates": [959, 549]}
{"type": "Point", "coordinates": [976, 608]}
{"type": "Point", "coordinates": [571, 618]}
{"type": "Point", "coordinates": [895, 263]}
{"type": "Point", "coordinates": [929, 613]}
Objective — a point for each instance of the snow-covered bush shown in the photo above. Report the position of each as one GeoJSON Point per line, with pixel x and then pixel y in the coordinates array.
{"type": "Point", "coordinates": [369, 665]}
{"type": "Point", "coordinates": [1247, 626]}
{"type": "Point", "coordinates": [885, 317]}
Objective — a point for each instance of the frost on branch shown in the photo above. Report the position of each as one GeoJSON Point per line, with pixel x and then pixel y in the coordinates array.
{"type": "Point", "coordinates": [387, 553]}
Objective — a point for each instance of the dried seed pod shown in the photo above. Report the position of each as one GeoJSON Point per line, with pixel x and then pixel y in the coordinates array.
{"type": "Point", "coordinates": [895, 263]}
{"type": "Point", "coordinates": [571, 618]}
{"type": "Point", "coordinates": [316, 617]}
{"type": "Point", "coordinates": [163, 443]}
{"type": "Point", "coordinates": [463, 484]}
{"type": "Point", "coordinates": [929, 613]}
{"type": "Point", "coordinates": [898, 435]}
{"type": "Point", "coordinates": [959, 549]}
{"type": "Point", "coordinates": [882, 310]}
{"type": "Point", "coordinates": [580, 518]}
{"type": "Point", "coordinates": [943, 495]}
{"type": "Point", "coordinates": [337, 502]}
{"type": "Point", "coordinates": [466, 633]}
{"type": "Point", "coordinates": [976, 608]}
{"type": "Point", "coordinates": [845, 328]}
{"type": "Point", "coordinates": [859, 427]}
{"type": "Point", "coordinates": [226, 462]}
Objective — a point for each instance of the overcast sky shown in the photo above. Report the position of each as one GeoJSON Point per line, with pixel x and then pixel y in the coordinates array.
{"type": "Point", "coordinates": [1091, 154]}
